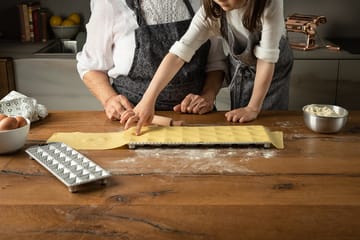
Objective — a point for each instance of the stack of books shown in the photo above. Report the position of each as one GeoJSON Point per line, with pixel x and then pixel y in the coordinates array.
{"type": "Point", "coordinates": [33, 22]}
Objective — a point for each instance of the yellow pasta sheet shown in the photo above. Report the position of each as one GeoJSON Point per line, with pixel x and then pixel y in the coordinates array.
{"type": "Point", "coordinates": [172, 135]}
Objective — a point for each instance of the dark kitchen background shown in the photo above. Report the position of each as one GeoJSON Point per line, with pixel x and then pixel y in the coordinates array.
{"type": "Point", "coordinates": [342, 16]}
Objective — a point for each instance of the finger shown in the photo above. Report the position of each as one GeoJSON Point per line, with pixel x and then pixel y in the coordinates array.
{"type": "Point", "coordinates": [185, 103]}
{"type": "Point", "coordinates": [177, 108]}
{"type": "Point", "coordinates": [131, 122]}
{"type": "Point", "coordinates": [205, 108]}
{"type": "Point", "coordinates": [228, 116]}
{"type": "Point", "coordinates": [112, 114]}
{"type": "Point", "coordinates": [139, 125]}
{"type": "Point", "coordinates": [195, 100]}
{"type": "Point", "coordinates": [125, 115]}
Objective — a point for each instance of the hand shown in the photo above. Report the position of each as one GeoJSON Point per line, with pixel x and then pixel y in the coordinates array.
{"type": "Point", "coordinates": [116, 105]}
{"type": "Point", "coordinates": [242, 115]}
{"type": "Point", "coordinates": [143, 114]}
{"type": "Point", "coordinates": [194, 104]}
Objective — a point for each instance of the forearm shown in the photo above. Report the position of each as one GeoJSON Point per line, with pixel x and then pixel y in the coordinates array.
{"type": "Point", "coordinates": [98, 84]}
{"type": "Point", "coordinates": [213, 83]}
{"type": "Point", "coordinates": [169, 66]}
{"type": "Point", "coordinates": [264, 75]}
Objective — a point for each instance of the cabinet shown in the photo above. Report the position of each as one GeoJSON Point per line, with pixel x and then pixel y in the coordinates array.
{"type": "Point", "coordinates": [54, 83]}
{"type": "Point", "coordinates": [348, 91]}
{"type": "Point", "coordinates": [7, 81]}
{"type": "Point", "coordinates": [313, 81]}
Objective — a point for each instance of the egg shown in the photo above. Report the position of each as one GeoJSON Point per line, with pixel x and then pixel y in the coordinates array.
{"type": "Point", "coordinates": [2, 116]}
{"type": "Point", "coordinates": [8, 123]}
{"type": "Point", "coordinates": [21, 121]}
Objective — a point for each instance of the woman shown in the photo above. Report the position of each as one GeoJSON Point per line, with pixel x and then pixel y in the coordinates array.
{"type": "Point", "coordinates": [259, 55]}
{"type": "Point", "coordinates": [126, 41]}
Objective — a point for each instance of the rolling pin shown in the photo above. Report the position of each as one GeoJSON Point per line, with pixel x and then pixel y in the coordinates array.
{"type": "Point", "coordinates": [166, 121]}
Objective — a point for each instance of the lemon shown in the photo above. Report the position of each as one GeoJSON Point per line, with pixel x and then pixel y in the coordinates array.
{"type": "Point", "coordinates": [67, 22]}
{"type": "Point", "coordinates": [75, 17]}
{"type": "Point", "coordinates": [55, 20]}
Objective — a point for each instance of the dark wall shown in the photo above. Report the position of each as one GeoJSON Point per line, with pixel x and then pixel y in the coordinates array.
{"type": "Point", "coordinates": [9, 20]}
{"type": "Point", "coordinates": [343, 16]}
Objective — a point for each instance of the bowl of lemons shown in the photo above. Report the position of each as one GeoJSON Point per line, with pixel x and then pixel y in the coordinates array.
{"type": "Point", "coordinates": [65, 28]}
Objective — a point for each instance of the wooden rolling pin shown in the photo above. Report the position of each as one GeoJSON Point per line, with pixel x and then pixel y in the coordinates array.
{"type": "Point", "coordinates": [165, 121]}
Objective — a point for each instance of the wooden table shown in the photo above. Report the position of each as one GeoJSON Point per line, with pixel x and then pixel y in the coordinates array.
{"type": "Point", "coordinates": [309, 190]}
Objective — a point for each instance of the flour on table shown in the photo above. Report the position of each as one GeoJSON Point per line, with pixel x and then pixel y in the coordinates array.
{"type": "Point", "coordinates": [188, 161]}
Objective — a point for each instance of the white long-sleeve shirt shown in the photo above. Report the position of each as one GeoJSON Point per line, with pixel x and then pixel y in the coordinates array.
{"type": "Point", "coordinates": [110, 43]}
{"type": "Point", "coordinates": [273, 28]}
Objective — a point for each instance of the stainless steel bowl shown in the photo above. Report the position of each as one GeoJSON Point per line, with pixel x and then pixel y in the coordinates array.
{"type": "Point", "coordinates": [324, 118]}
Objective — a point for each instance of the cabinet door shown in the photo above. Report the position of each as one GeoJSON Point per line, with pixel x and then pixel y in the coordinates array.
{"type": "Point", "coordinates": [313, 81]}
{"type": "Point", "coordinates": [54, 83]}
{"type": "Point", "coordinates": [7, 81]}
{"type": "Point", "coordinates": [348, 94]}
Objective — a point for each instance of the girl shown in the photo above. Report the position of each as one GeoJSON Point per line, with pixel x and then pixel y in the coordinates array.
{"type": "Point", "coordinates": [260, 59]}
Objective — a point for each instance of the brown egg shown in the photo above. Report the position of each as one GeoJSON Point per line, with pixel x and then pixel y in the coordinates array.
{"type": "Point", "coordinates": [8, 123]}
{"type": "Point", "coordinates": [20, 121]}
{"type": "Point", "coordinates": [2, 116]}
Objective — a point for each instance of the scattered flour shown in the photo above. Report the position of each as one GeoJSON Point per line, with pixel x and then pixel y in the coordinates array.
{"type": "Point", "coordinates": [187, 161]}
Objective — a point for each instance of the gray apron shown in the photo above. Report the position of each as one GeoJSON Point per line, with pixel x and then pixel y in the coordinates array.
{"type": "Point", "coordinates": [242, 69]}
{"type": "Point", "coordinates": [152, 44]}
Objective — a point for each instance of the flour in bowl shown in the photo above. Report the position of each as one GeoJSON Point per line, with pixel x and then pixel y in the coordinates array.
{"type": "Point", "coordinates": [322, 111]}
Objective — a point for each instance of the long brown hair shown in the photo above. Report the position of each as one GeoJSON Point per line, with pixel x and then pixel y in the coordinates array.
{"type": "Point", "coordinates": [251, 19]}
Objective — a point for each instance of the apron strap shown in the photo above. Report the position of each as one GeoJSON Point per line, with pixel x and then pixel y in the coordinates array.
{"type": "Point", "coordinates": [136, 7]}
{"type": "Point", "coordinates": [189, 7]}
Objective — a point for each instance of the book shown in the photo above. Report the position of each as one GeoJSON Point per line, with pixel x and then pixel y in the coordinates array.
{"type": "Point", "coordinates": [36, 24]}
{"type": "Point", "coordinates": [26, 24]}
{"type": "Point", "coordinates": [22, 26]}
{"type": "Point", "coordinates": [43, 24]}
{"type": "Point", "coordinates": [29, 16]}
{"type": "Point", "coordinates": [32, 6]}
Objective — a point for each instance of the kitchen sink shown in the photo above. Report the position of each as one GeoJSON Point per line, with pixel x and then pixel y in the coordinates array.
{"type": "Point", "coordinates": [59, 47]}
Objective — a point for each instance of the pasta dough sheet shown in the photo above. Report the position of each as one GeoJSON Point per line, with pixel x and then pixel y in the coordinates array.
{"type": "Point", "coordinates": [172, 135]}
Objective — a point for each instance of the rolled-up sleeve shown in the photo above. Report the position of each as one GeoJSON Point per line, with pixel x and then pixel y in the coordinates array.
{"type": "Point", "coordinates": [273, 28]}
{"type": "Point", "coordinates": [197, 33]}
{"type": "Point", "coordinates": [97, 50]}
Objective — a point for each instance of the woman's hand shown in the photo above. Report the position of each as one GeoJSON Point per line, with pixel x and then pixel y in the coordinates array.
{"type": "Point", "coordinates": [116, 105]}
{"type": "Point", "coordinates": [193, 103]}
{"type": "Point", "coordinates": [242, 115]}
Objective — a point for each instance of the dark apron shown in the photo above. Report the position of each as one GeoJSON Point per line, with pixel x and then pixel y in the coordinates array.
{"type": "Point", "coordinates": [152, 44]}
{"type": "Point", "coordinates": [242, 69]}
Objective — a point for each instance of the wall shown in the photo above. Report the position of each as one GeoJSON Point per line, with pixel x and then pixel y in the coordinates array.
{"type": "Point", "coordinates": [342, 16]}
{"type": "Point", "coordinates": [9, 22]}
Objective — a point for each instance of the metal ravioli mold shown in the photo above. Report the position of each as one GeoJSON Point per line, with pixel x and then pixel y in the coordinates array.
{"type": "Point", "coordinates": [68, 165]}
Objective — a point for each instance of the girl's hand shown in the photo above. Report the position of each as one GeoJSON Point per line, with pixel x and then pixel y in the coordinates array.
{"type": "Point", "coordinates": [143, 114]}
{"type": "Point", "coordinates": [242, 115]}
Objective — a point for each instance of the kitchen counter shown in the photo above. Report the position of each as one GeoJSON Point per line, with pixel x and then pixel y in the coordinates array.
{"type": "Point", "coordinates": [18, 50]}
{"type": "Point", "coordinates": [308, 190]}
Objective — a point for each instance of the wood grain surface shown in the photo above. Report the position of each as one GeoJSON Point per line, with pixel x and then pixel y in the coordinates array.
{"type": "Point", "coordinates": [308, 190]}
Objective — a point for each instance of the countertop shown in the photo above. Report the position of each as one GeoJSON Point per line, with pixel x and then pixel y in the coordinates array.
{"type": "Point", "coordinates": [18, 50]}
{"type": "Point", "coordinates": [308, 190]}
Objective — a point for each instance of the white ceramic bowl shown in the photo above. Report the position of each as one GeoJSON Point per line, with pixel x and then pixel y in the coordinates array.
{"type": "Point", "coordinates": [324, 118]}
{"type": "Point", "coordinates": [65, 32]}
{"type": "Point", "coordinates": [13, 140]}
